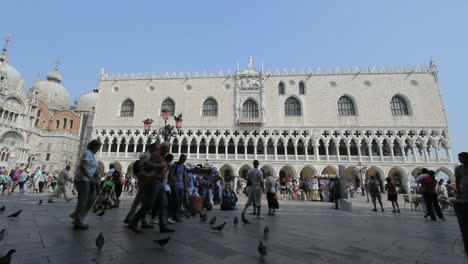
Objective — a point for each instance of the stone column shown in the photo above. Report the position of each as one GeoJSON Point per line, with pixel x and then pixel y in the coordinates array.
{"type": "Point", "coordinates": [245, 150]}
{"type": "Point", "coordinates": [286, 151]}
{"type": "Point", "coordinates": [402, 149]}
{"type": "Point", "coordinates": [437, 152]}
{"type": "Point", "coordinates": [414, 149]}
{"type": "Point", "coordinates": [179, 149]}
{"type": "Point", "coordinates": [226, 156]}
{"type": "Point", "coordinates": [359, 153]}
{"type": "Point", "coordinates": [100, 151]}
{"type": "Point", "coordinates": [295, 151]}
{"type": "Point", "coordinates": [392, 153]}
{"type": "Point", "coordinates": [276, 151]}
{"type": "Point", "coordinates": [235, 150]}
{"type": "Point", "coordinates": [265, 151]}
{"type": "Point", "coordinates": [109, 149]}
{"type": "Point", "coordinates": [198, 150]}
{"type": "Point", "coordinates": [348, 151]}
{"type": "Point", "coordinates": [255, 151]}
{"type": "Point", "coordinates": [337, 149]}
{"type": "Point", "coordinates": [306, 151]}
{"type": "Point", "coordinates": [316, 152]}
{"type": "Point", "coordinates": [326, 152]}
{"type": "Point", "coordinates": [216, 146]}
{"type": "Point", "coordinates": [449, 154]}
{"type": "Point", "coordinates": [381, 152]}
{"type": "Point", "coordinates": [118, 148]}
{"type": "Point", "coordinates": [207, 150]}
{"type": "Point", "coordinates": [424, 149]}
{"type": "Point", "coordinates": [369, 149]}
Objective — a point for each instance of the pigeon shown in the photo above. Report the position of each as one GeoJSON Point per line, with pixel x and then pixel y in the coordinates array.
{"type": "Point", "coordinates": [262, 249]}
{"type": "Point", "coordinates": [266, 232]}
{"type": "Point", "coordinates": [100, 241]}
{"type": "Point", "coordinates": [6, 259]}
{"type": "Point", "coordinates": [2, 234]}
{"type": "Point", "coordinates": [245, 221]}
{"type": "Point", "coordinates": [2, 209]}
{"type": "Point", "coordinates": [40, 202]}
{"type": "Point", "coordinates": [220, 227]}
{"type": "Point", "coordinates": [213, 220]}
{"type": "Point", "coordinates": [15, 214]}
{"type": "Point", "coordinates": [102, 213]}
{"type": "Point", "coordinates": [203, 217]}
{"type": "Point", "coordinates": [162, 242]}
{"type": "Point", "coordinates": [236, 220]}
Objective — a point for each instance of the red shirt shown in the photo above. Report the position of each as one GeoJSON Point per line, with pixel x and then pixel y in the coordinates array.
{"type": "Point", "coordinates": [391, 188]}
{"type": "Point", "coordinates": [428, 184]}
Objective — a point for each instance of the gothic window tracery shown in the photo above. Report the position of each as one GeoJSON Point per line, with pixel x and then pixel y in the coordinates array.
{"type": "Point", "coordinates": [127, 109]}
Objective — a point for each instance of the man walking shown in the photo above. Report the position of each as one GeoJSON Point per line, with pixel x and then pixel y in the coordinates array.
{"type": "Point", "coordinates": [461, 176]}
{"type": "Point", "coordinates": [178, 182]}
{"type": "Point", "coordinates": [153, 190]}
{"type": "Point", "coordinates": [255, 177]}
{"type": "Point", "coordinates": [14, 176]}
{"type": "Point", "coordinates": [374, 189]}
{"type": "Point", "coordinates": [63, 180]}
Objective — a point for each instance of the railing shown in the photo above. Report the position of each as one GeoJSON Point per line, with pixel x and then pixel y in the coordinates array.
{"type": "Point", "coordinates": [251, 120]}
{"type": "Point", "coordinates": [270, 157]}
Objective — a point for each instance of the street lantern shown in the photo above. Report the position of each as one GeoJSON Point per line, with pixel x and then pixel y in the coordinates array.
{"type": "Point", "coordinates": [147, 124]}
{"type": "Point", "coordinates": [178, 121]}
{"type": "Point", "coordinates": [165, 114]}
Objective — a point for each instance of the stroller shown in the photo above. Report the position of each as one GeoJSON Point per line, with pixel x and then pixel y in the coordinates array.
{"type": "Point", "coordinates": [106, 196]}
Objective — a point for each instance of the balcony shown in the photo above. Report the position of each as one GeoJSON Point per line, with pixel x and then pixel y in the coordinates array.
{"type": "Point", "coordinates": [250, 121]}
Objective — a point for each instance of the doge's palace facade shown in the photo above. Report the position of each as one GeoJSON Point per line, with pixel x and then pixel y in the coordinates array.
{"type": "Point", "coordinates": [385, 121]}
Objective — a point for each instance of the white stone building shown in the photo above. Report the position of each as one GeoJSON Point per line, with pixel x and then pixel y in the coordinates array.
{"type": "Point", "coordinates": [38, 128]}
{"type": "Point", "coordinates": [388, 121]}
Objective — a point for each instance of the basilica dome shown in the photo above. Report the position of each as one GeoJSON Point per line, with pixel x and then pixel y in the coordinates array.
{"type": "Point", "coordinates": [87, 102]}
{"type": "Point", "coordinates": [51, 91]}
{"type": "Point", "coordinates": [10, 79]}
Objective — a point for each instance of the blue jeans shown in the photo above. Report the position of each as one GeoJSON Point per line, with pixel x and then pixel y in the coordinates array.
{"type": "Point", "coordinates": [178, 196]}
{"type": "Point", "coordinates": [151, 194]}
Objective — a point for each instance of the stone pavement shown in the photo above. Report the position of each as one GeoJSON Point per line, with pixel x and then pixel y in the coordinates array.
{"type": "Point", "coordinates": [302, 232]}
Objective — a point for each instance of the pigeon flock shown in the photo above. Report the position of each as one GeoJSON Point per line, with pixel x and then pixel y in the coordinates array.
{"type": "Point", "coordinates": [262, 250]}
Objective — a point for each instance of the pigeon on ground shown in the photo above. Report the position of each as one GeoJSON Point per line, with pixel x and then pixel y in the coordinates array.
{"type": "Point", "coordinates": [40, 202]}
{"type": "Point", "coordinates": [2, 209]}
{"type": "Point", "coordinates": [100, 241]}
{"type": "Point", "coordinates": [220, 227]}
{"type": "Point", "coordinates": [266, 232]}
{"type": "Point", "coordinates": [203, 217]}
{"type": "Point", "coordinates": [262, 249]}
{"type": "Point", "coordinates": [6, 259]}
{"type": "Point", "coordinates": [162, 242]}
{"type": "Point", "coordinates": [2, 234]}
{"type": "Point", "coordinates": [102, 213]}
{"type": "Point", "coordinates": [213, 220]}
{"type": "Point", "coordinates": [236, 220]}
{"type": "Point", "coordinates": [16, 214]}
{"type": "Point", "coordinates": [245, 221]}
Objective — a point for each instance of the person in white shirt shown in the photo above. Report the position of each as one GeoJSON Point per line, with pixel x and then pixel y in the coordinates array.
{"type": "Point", "coordinates": [255, 177]}
{"type": "Point", "coordinates": [270, 187]}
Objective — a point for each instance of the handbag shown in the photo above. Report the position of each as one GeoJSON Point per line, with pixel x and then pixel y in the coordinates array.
{"type": "Point", "coordinates": [276, 204]}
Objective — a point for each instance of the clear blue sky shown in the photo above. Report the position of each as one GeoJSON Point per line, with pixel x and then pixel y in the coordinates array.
{"type": "Point", "coordinates": [150, 36]}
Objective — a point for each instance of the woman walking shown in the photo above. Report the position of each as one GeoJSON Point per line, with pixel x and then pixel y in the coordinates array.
{"type": "Point", "coordinates": [390, 187]}
{"type": "Point", "coordinates": [86, 184]}
{"type": "Point", "coordinates": [270, 187]}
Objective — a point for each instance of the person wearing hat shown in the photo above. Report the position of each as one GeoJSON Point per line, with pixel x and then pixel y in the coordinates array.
{"type": "Point", "coordinates": [270, 187]}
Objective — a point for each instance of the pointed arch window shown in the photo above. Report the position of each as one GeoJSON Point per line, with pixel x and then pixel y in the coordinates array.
{"type": "Point", "coordinates": [292, 107]}
{"type": "Point", "coordinates": [346, 106]}
{"type": "Point", "coordinates": [210, 107]}
{"type": "Point", "coordinates": [281, 88]}
{"type": "Point", "coordinates": [399, 106]}
{"type": "Point", "coordinates": [168, 105]}
{"type": "Point", "coordinates": [301, 87]}
{"type": "Point", "coordinates": [250, 109]}
{"type": "Point", "coordinates": [64, 123]}
{"type": "Point", "coordinates": [127, 109]}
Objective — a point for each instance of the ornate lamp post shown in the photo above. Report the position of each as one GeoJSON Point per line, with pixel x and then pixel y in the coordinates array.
{"type": "Point", "coordinates": [167, 131]}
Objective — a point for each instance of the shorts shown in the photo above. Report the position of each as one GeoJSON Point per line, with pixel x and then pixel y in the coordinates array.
{"type": "Point", "coordinates": [255, 197]}
{"type": "Point", "coordinates": [376, 196]}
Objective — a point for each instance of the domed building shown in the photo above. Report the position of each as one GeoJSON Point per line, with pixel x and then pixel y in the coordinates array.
{"type": "Point", "coordinates": [52, 92]}
{"type": "Point", "coordinates": [87, 102]}
{"type": "Point", "coordinates": [39, 129]}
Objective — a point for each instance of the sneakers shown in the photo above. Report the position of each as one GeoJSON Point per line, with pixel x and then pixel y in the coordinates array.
{"type": "Point", "coordinates": [170, 221]}
{"type": "Point", "coordinates": [68, 200]}
{"type": "Point", "coordinates": [50, 201]}
{"type": "Point", "coordinates": [155, 222]}
{"type": "Point", "coordinates": [147, 226]}
{"type": "Point", "coordinates": [135, 229]}
{"type": "Point", "coordinates": [374, 210]}
{"type": "Point", "coordinates": [81, 226]}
